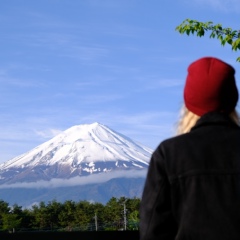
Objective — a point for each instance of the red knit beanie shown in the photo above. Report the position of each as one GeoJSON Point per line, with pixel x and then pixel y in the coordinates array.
{"type": "Point", "coordinates": [210, 86]}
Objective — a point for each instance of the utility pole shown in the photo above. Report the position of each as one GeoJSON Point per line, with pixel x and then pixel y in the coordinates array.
{"type": "Point", "coordinates": [96, 223]}
{"type": "Point", "coordinates": [125, 216]}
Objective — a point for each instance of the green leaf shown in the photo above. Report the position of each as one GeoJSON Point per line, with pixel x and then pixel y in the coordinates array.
{"type": "Point", "coordinates": [212, 35]}
{"type": "Point", "coordinates": [223, 42]}
{"type": "Point", "coordinates": [224, 35]}
{"type": "Point", "coordinates": [236, 45]}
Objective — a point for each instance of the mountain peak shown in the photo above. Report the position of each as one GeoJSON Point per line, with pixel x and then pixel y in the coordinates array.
{"type": "Point", "coordinates": [85, 127]}
{"type": "Point", "coordinates": [80, 150]}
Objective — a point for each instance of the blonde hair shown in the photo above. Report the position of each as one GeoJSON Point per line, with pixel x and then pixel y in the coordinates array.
{"type": "Point", "coordinates": [188, 119]}
{"type": "Point", "coordinates": [235, 117]}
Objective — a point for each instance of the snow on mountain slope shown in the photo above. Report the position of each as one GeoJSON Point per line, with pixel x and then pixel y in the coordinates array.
{"type": "Point", "coordinates": [79, 151]}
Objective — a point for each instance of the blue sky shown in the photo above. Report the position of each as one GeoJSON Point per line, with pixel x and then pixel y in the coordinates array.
{"type": "Point", "coordinates": [117, 62]}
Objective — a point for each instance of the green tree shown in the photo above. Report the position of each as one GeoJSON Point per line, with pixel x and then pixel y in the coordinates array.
{"type": "Point", "coordinates": [133, 206]}
{"type": "Point", "coordinates": [66, 216]}
{"type": "Point", "coordinates": [46, 216]}
{"type": "Point", "coordinates": [27, 219]}
{"type": "Point", "coordinates": [54, 208]}
{"type": "Point", "coordinates": [40, 216]}
{"type": "Point", "coordinates": [98, 211]}
{"type": "Point", "coordinates": [72, 216]}
{"type": "Point", "coordinates": [4, 209]}
{"type": "Point", "coordinates": [133, 220]}
{"type": "Point", "coordinates": [84, 215]}
{"type": "Point", "coordinates": [10, 221]}
{"type": "Point", "coordinates": [114, 213]}
{"type": "Point", "coordinates": [224, 35]}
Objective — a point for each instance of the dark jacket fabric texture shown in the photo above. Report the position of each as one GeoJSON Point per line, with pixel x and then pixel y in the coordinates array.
{"type": "Point", "coordinates": [192, 189]}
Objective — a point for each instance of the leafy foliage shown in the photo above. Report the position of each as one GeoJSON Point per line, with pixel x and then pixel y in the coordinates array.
{"type": "Point", "coordinates": [4, 209]}
{"type": "Point", "coordinates": [71, 216]}
{"type": "Point", "coordinates": [67, 215]}
{"type": "Point", "coordinates": [224, 35]}
{"type": "Point", "coordinates": [10, 221]}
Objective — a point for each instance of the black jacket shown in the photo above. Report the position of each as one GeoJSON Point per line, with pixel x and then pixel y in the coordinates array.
{"type": "Point", "coordinates": [192, 190]}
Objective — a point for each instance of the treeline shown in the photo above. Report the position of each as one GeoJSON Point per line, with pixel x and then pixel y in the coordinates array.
{"type": "Point", "coordinates": [117, 214]}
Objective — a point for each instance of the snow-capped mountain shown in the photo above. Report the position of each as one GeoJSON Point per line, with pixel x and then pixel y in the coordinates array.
{"type": "Point", "coordinates": [79, 151]}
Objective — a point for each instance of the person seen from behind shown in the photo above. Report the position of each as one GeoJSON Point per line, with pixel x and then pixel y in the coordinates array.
{"type": "Point", "coordinates": [192, 189]}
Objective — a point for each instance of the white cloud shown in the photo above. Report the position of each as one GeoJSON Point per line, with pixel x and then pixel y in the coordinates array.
{"type": "Point", "coordinates": [48, 133]}
{"type": "Point", "coordinates": [76, 181]}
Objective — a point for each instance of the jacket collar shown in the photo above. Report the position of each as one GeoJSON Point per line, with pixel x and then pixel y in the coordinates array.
{"type": "Point", "coordinates": [214, 118]}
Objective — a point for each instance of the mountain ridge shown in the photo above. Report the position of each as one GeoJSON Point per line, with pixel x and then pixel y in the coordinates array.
{"type": "Point", "coordinates": [81, 150]}
{"type": "Point", "coordinates": [85, 162]}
